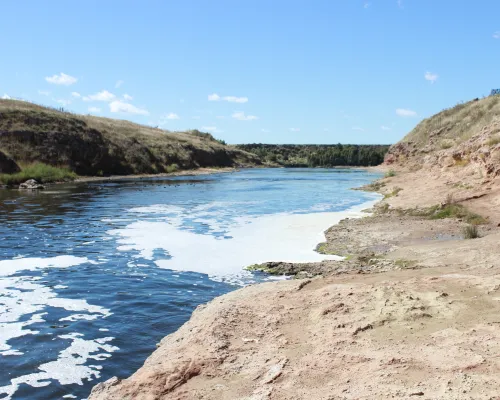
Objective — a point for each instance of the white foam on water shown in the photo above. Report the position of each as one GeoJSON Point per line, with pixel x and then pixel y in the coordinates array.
{"type": "Point", "coordinates": [69, 368]}
{"type": "Point", "coordinates": [27, 296]}
{"type": "Point", "coordinates": [10, 267]}
{"type": "Point", "coordinates": [78, 317]}
{"type": "Point", "coordinates": [276, 237]}
{"type": "Point", "coordinates": [24, 296]}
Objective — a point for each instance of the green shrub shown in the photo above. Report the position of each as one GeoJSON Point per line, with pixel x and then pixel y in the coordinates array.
{"type": "Point", "coordinates": [456, 211]}
{"type": "Point", "coordinates": [390, 174]}
{"type": "Point", "coordinates": [41, 172]}
{"type": "Point", "coordinates": [470, 232]}
{"type": "Point", "coordinates": [172, 168]}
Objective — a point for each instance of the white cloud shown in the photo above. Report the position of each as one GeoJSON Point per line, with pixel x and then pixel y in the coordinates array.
{"type": "Point", "coordinates": [265, 130]}
{"type": "Point", "coordinates": [127, 97]}
{"type": "Point", "coordinates": [212, 129]}
{"type": "Point", "coordinates": [400, 3]}
{"type": "Point", "coordinates": [326, 129]}
{"type": "Point", "coordinates": [431, 77]}
{"type": "Point", "coordinates": [6, 97]}
{"type": "Point", "coordinates": [385, 128]}
{"type": "Point", "coordinates": [402, 112]}
{"type": "Point", "coordinates": [94, 109]}
{"type": "Point", "coordinates": [295, 129]}
{"type": "Point", "coordinates": [172, 116]}
{"type": "Point", "coordinates": [496, 35]}
{"type": "Point", "coordinates": [242, 117]}
{"type": "Point", "coordinates": [220, 117]}
{"type": "Point", "coordinates": [119, 106]}
{"type": "Point", "coordinates": [76, 94]}
{"type": "Point", "coordinates": [366, 5]}
{"type": "Point", "coordinates": [63, 102]}
{"type": "Point", "coordinates": [357, 128]}
{"type": "Point", "coordinates": [44, 92]}
{"type": "Point", "coordinates": [196, 117]}
{"type": "Point", "coordinates": [234, 99]}
{"type": "Point", "coordinates": [103, 95]}
{"type": "Point", "coordinates": [118, 84]}
{"type": "Point", "coordinates": [230, 99]}
{"type": "Point", "coordinates": [61, 79]}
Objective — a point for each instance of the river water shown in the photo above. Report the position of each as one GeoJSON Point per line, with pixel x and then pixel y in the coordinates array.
{"type": "Point", "coordinates": [93, 275]}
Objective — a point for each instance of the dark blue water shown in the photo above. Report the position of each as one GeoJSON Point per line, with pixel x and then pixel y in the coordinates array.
{"type": "Point", "coordinates": [93, 275]}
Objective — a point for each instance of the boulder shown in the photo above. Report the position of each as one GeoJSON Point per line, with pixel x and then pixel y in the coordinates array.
{"type": "Point", "coordinates": [31, 184]}
{"type": "Point", "coordinates": [8, 165]}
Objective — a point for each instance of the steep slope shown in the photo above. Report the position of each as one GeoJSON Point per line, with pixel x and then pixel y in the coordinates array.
{"type": "Point", "coordinates": [464, 140]}
{"type": "Point", "coordinates": [92, 145]}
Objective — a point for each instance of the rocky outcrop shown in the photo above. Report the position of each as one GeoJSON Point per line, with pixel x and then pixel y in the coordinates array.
{"type": "Point", "coordinates": [31, 184]}
{"type": "Point", "coordinates": [8, 165]}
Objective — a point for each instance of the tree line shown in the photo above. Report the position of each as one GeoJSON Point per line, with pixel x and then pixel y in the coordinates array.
{"type": "Point", "coordinates": [337, 155]}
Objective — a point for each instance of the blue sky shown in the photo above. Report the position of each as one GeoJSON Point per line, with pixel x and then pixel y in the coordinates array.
{"type": "Point", "coordinates": [250, 71]}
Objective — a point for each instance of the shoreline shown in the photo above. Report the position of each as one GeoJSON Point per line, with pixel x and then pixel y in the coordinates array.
{"type": "Point", "coordinates": [193, 172]}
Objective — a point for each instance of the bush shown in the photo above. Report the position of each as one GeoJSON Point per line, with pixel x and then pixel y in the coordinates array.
{"type": "Point", "coordinates": [457, 211]}
{"type": "Point", "coordinates": [172, 168]}
{"type": "Point", "coordinates": [390, 174]}
{"type": "Point", "coordinates": [41, 172]}
{"type": "Point", "coordinates": [471, 232]}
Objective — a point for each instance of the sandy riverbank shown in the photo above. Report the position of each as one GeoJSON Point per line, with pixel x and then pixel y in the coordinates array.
{"type": "Point", "coordinates": [412, 312]}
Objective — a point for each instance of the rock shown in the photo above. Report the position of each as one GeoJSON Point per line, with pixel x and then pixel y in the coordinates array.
{"type": "Point", "coordinates": [31, 184]}
{"type": "Point", "coordinates": [102, 389]}
{"type": "Point", "coordinates": [274, 372]}
{"type": "Point", "coordinates": [8, 165]}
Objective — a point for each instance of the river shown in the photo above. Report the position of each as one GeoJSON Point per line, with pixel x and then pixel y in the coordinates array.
{"type": "Point", "coordinates": [93, 275]}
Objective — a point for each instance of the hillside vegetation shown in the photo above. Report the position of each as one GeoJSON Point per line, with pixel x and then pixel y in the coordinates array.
{"type": "Point", "coordinates": [463, 141]}
{"type": "Point", "coordinates": [89, 145]}
{"type": "Point", "coordinates": [458, 132]}
{"type": "Point", "coordinates": [293, 155]}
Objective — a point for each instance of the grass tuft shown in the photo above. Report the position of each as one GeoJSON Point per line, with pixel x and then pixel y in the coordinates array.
{"type": "Point", "coordinates": [390, 174]}
{"type": "Point", "coordinates": [457, 211]}
{"type": "Point", "coordinates": [42, 173]}
{"type": "Point", "coordinates": [492, 141]}
{"type": "Point", "coordinates": [394, 193]}
{"type": "Point", "coordinates": [471, 232]}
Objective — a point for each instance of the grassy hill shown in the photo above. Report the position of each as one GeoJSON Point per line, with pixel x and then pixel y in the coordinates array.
{"type": "Point", "coordinates": [89, 145]}
{"type": "Point", "coordinates": [463, 140]}
{"type": "Point", "coordinates": [452, 127]}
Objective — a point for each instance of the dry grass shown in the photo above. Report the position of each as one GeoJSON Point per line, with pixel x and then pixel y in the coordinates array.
{"type": "Point", "coordinates": [457, 124]}
{"type": "Point", "coordinates": [471, 232]}
{"type": "Point", "coordinates": [89, 144]}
